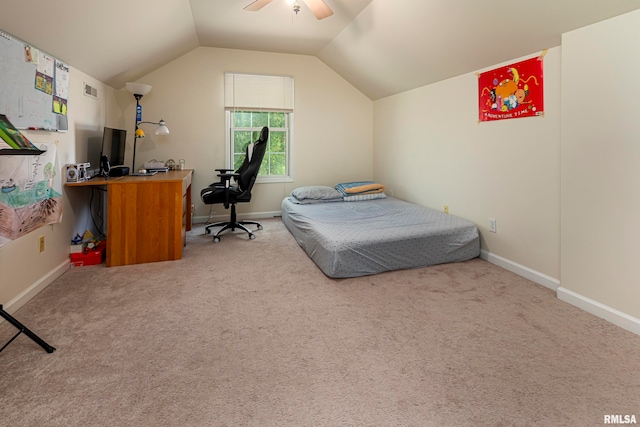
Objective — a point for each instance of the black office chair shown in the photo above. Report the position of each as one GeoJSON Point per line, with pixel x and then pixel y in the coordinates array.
{"type": "Point", "coordinates": [229, 194]}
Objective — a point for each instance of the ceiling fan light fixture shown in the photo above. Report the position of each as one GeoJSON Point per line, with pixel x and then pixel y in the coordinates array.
{"type": "Point", "coordinates": [318, 7]}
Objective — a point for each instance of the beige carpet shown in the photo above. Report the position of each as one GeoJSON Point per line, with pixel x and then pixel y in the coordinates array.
{"type": "Point", "coordinates": [251, 333]}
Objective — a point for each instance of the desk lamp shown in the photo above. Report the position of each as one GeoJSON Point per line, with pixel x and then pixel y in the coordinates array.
{"type": "Point", "coordinates": [139, 90]}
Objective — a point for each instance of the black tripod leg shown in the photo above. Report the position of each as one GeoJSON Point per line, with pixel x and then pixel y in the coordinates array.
{"type": "Point", "coordinates": [26, 331]}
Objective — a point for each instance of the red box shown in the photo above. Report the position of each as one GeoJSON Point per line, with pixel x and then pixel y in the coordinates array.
{"type": "Point", "coordinates": [91, 257]}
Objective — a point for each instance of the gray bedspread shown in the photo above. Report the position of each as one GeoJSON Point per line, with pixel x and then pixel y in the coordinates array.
{"type": "Point", "coordinates": [350, 239]}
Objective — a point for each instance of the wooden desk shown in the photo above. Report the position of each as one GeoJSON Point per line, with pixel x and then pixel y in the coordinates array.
{"type": "Point", "coordinates": [147, 216]}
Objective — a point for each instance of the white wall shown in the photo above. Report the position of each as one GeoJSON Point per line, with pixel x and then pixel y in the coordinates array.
{"type": "Point", "coordinates": [430, 149]}
{"type": "Point", "coordinates": [26, 271]}
{"type": "Point", "coordinates": [601, 164]}
{"type": "Point", "coordinates": [333, 122]}
{"type": "Point", "coordinates": [563, 188]}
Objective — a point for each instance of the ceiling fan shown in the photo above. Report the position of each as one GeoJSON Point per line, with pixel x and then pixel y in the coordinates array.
{"type": "Point", "coordinates": [318, 7]}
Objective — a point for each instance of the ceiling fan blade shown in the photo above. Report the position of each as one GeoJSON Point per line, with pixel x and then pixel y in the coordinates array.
{"type": "Point", "coordinates": [319, 8]}
{"type": "Point", "coordinates": [257, 5]}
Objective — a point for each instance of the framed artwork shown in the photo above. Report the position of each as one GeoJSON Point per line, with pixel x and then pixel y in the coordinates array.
{"type": "Point", "coordinates": [511, 92]}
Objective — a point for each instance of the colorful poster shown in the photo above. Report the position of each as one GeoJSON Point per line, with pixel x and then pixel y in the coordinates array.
{"type": "Point", "coordinates": [511, 92]}
{"type": "Point", "coordinates": [44, 73]}
{"type": "Point", "coordinates": [31, 193]}
{"type": "Point", "coordinates": [61, 88]}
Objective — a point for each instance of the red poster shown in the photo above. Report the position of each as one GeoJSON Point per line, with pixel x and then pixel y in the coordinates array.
{"type": "Point", "coordinates": [512, 91]}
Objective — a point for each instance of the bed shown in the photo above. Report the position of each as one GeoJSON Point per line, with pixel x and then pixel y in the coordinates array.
{"type": "Point", "coordinates": [358, 238]}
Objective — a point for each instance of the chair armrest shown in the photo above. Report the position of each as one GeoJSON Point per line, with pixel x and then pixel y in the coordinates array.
{"type": "Point", "coordinates": [225, 178]}
{"type": "Point", "coordinates": [224, 175]}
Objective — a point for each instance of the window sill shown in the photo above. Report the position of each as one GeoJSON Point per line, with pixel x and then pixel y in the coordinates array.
{"type": "Point", "coordinates": [273, 179]}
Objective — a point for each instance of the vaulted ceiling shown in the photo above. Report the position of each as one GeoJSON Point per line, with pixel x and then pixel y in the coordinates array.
{"type": "Point", "coordinates": [382, 47]}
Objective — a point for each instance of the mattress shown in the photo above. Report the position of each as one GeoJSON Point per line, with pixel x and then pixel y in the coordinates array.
{"type": "Point", "coordinates": [350, 239]}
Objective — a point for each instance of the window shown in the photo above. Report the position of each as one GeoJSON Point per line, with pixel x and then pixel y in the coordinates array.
{"type": "Point", "coordinates": [245, 128]}
{"type": "Point", "coordinates": [255, 101]}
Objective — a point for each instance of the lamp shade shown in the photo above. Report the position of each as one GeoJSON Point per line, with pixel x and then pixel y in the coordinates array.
{"type": "Point", "coordinates": [162, 129]}
{"type": "Point", "coordinates": [138, 88]}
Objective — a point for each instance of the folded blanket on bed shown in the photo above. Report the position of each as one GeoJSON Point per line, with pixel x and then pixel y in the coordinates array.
{"type": "Point", "coordinates": [360, 187]}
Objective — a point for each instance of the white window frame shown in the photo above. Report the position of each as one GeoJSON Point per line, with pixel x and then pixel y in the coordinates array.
{"type": "Point", "coordinates": [229, 153]}
{"type": "Point", "coordinates": [259, 93]}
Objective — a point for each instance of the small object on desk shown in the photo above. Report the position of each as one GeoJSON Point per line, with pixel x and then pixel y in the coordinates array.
{"type": "Point", "coordinates": [116, 171]}
{"type": "Point", "coordinates": [171, 164]}
{"type": "Point", "coordinates": [181, 164]}
{"type": "Point", "coordinates": [154, 164]}
{"type": "Point", "coordinates": [77, 172]}
{"type": "Point", "coordinates": [145, 173]}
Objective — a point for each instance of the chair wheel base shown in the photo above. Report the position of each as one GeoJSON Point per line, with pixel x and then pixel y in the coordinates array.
{"type": "Point", "coordinates": [232, 225]}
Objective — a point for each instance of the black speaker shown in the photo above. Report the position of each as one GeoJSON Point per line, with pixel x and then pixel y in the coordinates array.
{"type": "Point", "coordinates": [119, 171]}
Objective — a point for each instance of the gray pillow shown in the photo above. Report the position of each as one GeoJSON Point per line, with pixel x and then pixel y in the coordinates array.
{"type": "Point", "coordinates": [316, 192]}
{"type": "Point", "coordinates": [312, 201]}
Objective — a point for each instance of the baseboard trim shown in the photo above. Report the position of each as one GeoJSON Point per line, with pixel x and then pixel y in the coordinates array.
{"type": "Point", "coordinates": [225, 217]}
{"type": "Point", "coordinates": [521, 270]}
{"type": "Point", "coordinates": [33, 290]}
{"type": "Point", "coordinates": [607, 313]}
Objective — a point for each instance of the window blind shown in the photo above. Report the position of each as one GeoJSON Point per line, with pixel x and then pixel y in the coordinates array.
{"type": "Point", "coordinates": [258, 92]}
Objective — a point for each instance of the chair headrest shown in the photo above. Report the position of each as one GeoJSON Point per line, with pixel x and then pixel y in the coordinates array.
{"type": "Point", "coordinates": [264, 134]}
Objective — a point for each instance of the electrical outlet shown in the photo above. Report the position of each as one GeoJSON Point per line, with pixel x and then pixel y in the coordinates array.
{"type": "Point", "coordinates": [493, 226]}
{"type": "Point", "coordinates": [446, 209]}
{"type": "Point", "coordinates": [41, 243]}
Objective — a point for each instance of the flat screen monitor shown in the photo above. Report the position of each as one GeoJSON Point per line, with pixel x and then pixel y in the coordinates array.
{"type": "Point", "coordinates": [113, 145]}
{"type": "Point", "coordinates": [94, 147]}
